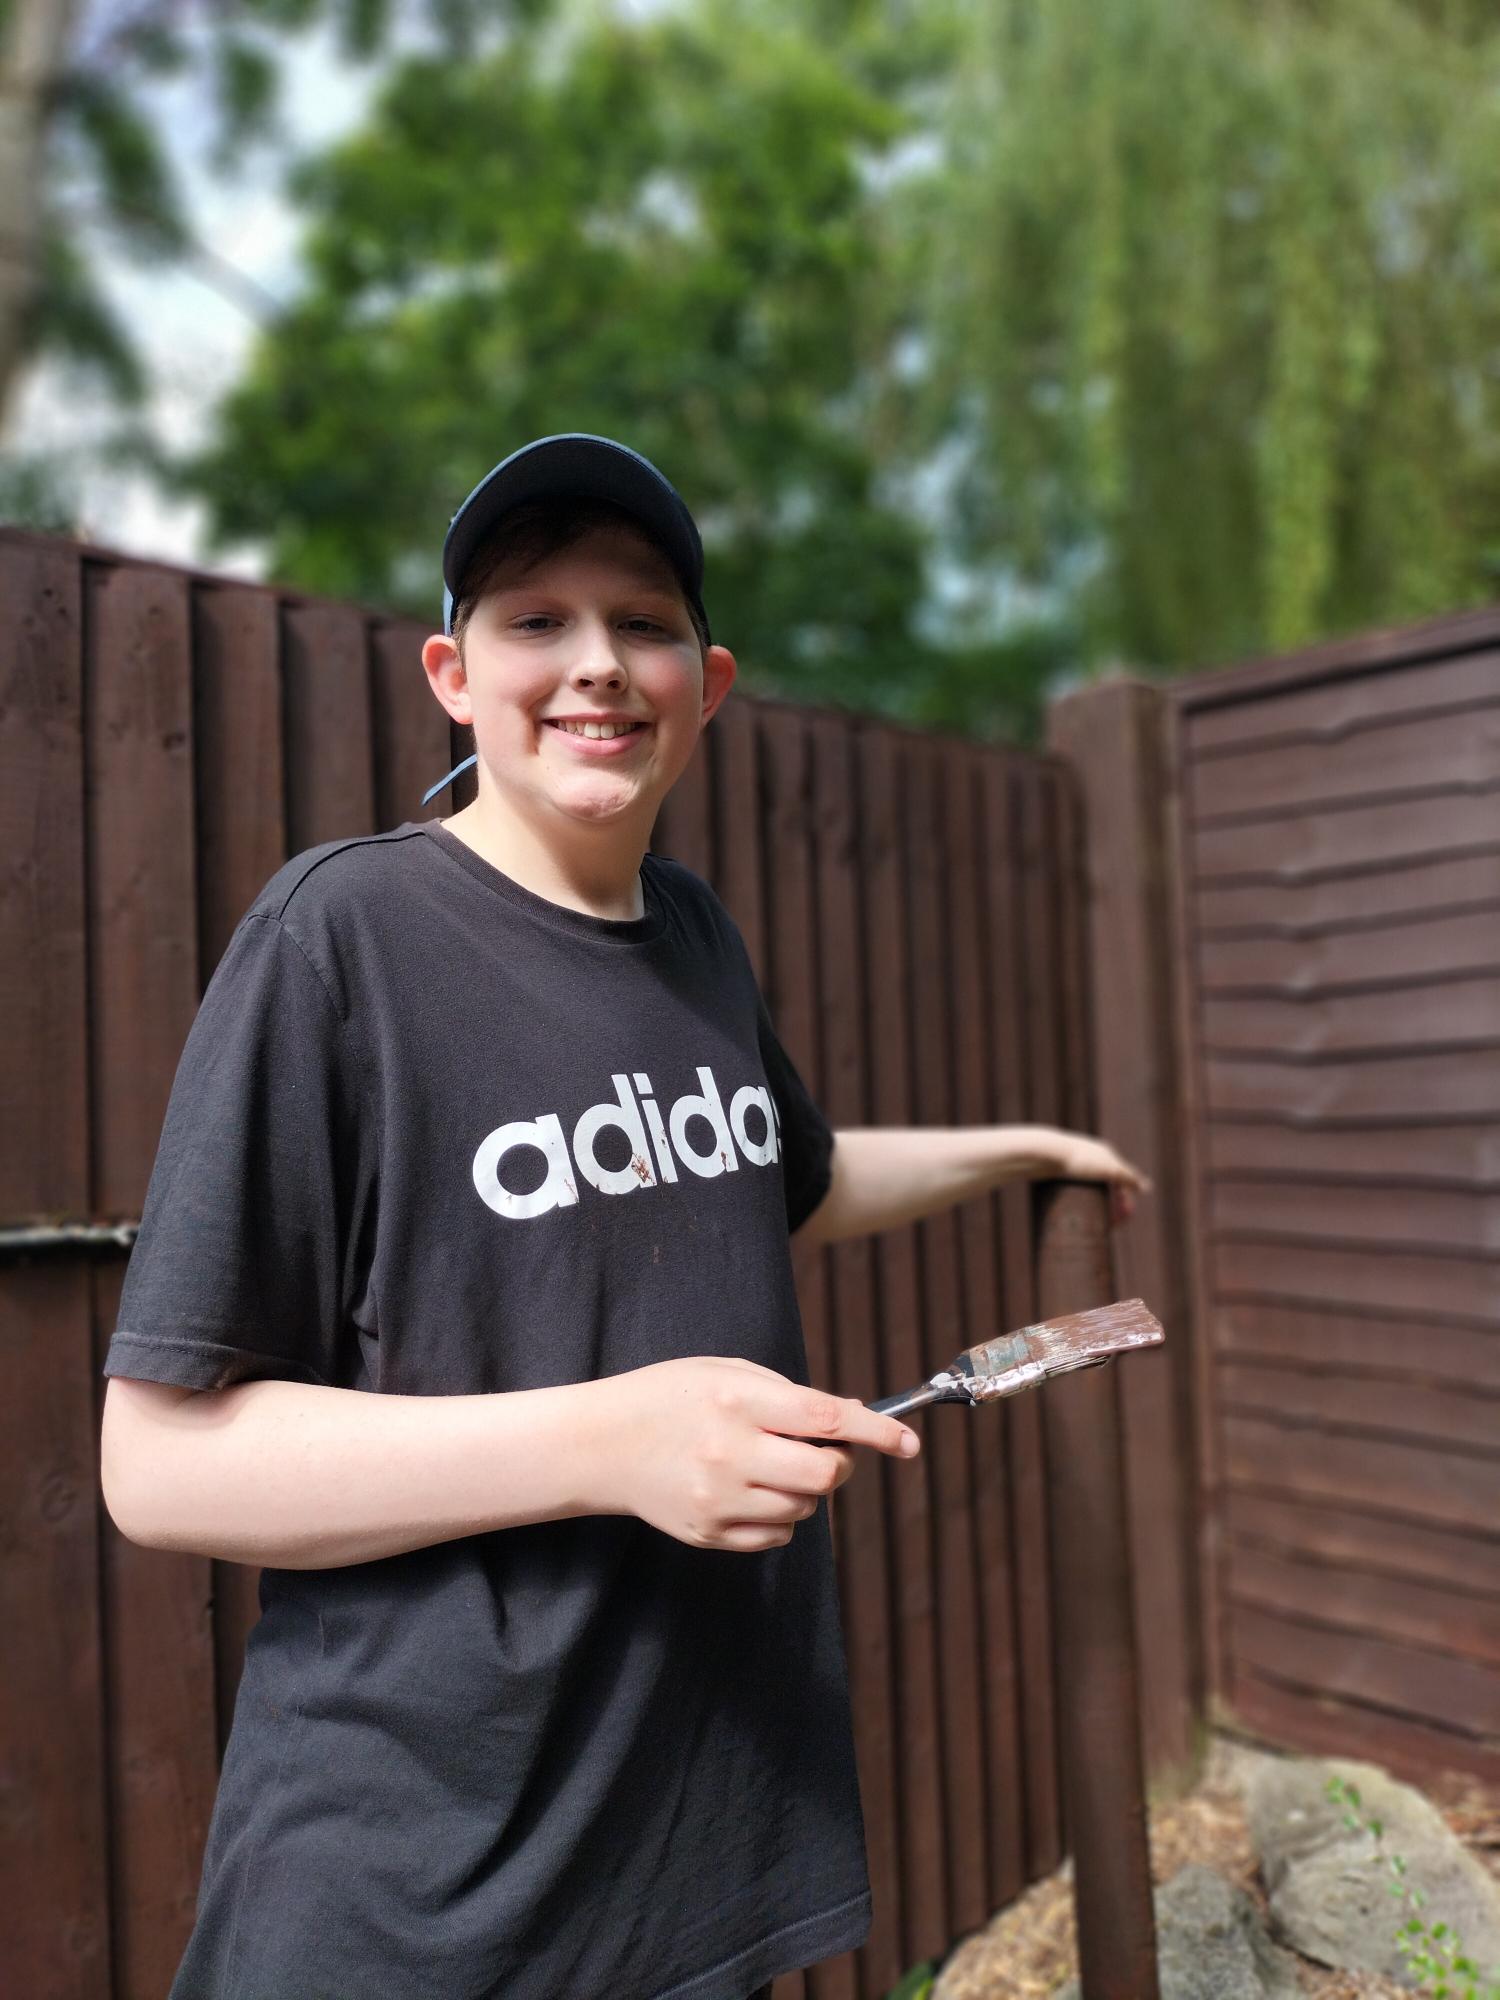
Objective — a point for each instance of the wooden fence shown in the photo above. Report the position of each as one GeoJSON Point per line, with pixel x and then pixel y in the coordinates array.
{"type": "Point", "coordinates": [911, 903]}
{"type": "Point", "coordinates": [1295, 884]}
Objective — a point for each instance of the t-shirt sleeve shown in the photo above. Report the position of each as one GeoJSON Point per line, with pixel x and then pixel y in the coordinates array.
{"type": "Point", "coordinates": [247, 1262]}
{"type": "Point", "coordinates": [806, 1138]}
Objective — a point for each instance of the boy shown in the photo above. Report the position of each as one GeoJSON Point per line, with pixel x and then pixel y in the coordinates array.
{"type": "Point", "coordinates": [487, 1116]}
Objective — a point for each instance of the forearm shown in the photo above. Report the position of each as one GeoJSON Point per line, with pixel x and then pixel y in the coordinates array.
{"type": "Point", "coordinates": [303, 1477]}
{"type": "Point", "coordinates": [885, 1176]}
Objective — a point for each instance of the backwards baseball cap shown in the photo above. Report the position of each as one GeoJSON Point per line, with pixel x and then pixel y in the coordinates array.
{"type": "Point", "coordinates": [573, 465]}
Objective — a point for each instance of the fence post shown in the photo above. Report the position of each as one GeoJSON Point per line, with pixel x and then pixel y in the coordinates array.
{"type": "Point", "coordinates": [1098, 1696]}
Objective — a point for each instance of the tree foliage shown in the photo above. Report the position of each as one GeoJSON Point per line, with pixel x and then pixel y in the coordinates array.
{"type": "Point", "coordinates": [83, 158]}
{"type": "Point", "coordinates": [1223, 286]}
{"type": "Point", "coordinates": [663, 229]}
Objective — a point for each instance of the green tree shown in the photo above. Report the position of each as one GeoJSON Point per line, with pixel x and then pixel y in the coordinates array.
{"type": "Point", "coordinates": [670, 230]}
{"type": "Point", "coordinates": [1223, 287]}
{"type": "Point", "coordinates": [83, 160]}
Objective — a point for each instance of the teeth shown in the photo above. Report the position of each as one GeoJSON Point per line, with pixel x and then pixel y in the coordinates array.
{"type": "Point", "coordinates": [605, 731]}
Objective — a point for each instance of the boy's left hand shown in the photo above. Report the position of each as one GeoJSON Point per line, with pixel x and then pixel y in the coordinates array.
{"type": "Point", "coordinates": [1082, 1158]}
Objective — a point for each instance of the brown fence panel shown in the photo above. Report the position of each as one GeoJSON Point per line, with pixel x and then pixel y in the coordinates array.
{"type": "Point", "coordinates": [54, 1853]}
{"type": "Point", "coordinates": [169, 740]}
{"type": "Point", "coordinates": [143, 967]}
{"type": "Point", "coordinates": [1333, 821]}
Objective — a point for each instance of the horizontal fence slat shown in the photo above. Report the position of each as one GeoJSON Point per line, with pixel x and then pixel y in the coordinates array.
{"type": "Point", "coordinates": [1384, 896]}
{"type": "Point", "coordinates": [1428, 1687]}
{"type": "Point", "coordinates": [1368, 1605]}
{"type": "Point", "coordinates": [1466, 1154]}
{"type": "Point", "coordinates": [1379, 957]}
{"type": "Point", "coordinates": [1325, 1726]}
{"type": "Point", "coordinates": [1334, 710]}
{"type": "Point", "coordinates": [1395, 1282]}
{"type": "Point", "coordinates": [1413, 754]}
{"type": "Point", "coordinates": [1302, 843]}
{"type": "Point", "coordinates": [1459, 1222]}
{"type": "Point", "coordinates": [1414, 1482]}
{"type": "Point", "coordinates": [1467, 1565]}
{"type": "Point", "coordinates": [1403, 1021]}
{"type": "Point", "coordinates": [1430, 1352]}
{"type": "Point", "coordinates": [1345, 1401]}
{"type": "Point", "coordinates": [1442, 1083]}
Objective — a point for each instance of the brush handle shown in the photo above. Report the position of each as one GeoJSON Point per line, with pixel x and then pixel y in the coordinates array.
{"type": "Point", "coordinates": [914, 1399]}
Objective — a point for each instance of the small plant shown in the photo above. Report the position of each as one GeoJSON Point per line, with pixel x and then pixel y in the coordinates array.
{"type": "Point", "coordinates": [1434, 1953]}
{"type": "Point", "coordinates": [916, 1984]}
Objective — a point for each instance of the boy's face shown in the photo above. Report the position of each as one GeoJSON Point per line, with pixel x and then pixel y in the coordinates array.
{"type": "Point", "coordinates": [596, 632]}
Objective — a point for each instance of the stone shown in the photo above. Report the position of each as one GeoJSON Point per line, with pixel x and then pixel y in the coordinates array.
{"type": "Point", "coordinates": [1212, 1945]}
{"type": "Point", "coordinates": [1329, 1886]}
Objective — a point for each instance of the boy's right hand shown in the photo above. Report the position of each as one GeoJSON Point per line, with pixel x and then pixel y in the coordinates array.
{"type": "Point", "coordinates": [711, 1449]}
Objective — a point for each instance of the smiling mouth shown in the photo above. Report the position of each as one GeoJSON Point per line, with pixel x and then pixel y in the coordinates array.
{"type": "Point", "coordinates": [599, 731]}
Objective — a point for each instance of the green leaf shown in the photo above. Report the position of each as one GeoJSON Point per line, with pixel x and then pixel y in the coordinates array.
{"type": "Point", "coordinates": [137, 181]}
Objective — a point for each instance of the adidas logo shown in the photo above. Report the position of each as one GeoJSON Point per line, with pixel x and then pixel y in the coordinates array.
{"type": "Point", "coordinates": [658, 1143]}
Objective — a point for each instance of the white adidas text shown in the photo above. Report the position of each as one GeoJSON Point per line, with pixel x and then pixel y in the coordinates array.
{"type": "Point", "coordinates": [653, 1159]}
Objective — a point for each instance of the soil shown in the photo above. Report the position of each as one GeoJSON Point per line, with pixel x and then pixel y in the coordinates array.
{"type": "Point", "coordinates": [1029, 1950]}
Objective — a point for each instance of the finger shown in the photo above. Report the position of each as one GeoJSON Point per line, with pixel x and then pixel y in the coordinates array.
{"type": "Point", "coordinates": [805, 1468]}
{"type": "Point", "coordinates": [751, 1536]}
{"type": "Point", "coordinates": [762, 1505]}
{"type": "Point", "coordinates": [820, 1416]}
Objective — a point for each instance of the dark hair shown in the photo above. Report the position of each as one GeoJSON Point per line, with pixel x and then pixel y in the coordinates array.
{"type": "Point", "coordinates": [541, 528]}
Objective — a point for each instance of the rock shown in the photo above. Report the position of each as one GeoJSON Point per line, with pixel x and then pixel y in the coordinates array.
{"type": "Point", "coordinates": [1329, 1886]}
{"type": "Point", "coordinates": [1212, 1945]}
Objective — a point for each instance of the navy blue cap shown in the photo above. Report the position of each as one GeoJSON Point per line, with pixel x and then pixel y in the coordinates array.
{"type": "Point", "coordinates": [580, 466]}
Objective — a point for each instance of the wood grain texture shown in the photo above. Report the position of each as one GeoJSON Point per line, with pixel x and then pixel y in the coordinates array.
{"type": "Point", "coordinates": [143, 977]}
{"type": "Point", "coordinates": [1111, 739]}
{"type": "Point", "coordinates": [54, 1853]}
{"type": "Point", "coordinates": [859, 1507]}
{"type": "Point", "coordinates": [1410, 755]}
{"type": "Point", "coordinates": [924, 1836]}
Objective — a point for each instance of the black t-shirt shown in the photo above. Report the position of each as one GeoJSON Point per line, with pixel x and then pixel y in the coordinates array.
{"type": "Point", "coordinates": [432, 1134]}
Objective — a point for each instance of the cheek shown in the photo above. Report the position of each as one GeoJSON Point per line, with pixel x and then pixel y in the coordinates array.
{"type": "Point", "coordinates": [511, 703]}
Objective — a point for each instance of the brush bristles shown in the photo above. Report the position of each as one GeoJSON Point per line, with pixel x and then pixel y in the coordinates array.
{"type": "Point", "coordinates": [1072, 1340]}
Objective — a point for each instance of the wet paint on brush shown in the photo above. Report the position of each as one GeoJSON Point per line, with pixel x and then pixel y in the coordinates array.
{"type": "Point", "coordinates": [1023, 1359]}
{"type": "Point", "coordinates": [1057, 1347]}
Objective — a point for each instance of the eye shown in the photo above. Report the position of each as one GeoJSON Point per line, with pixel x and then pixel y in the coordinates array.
{"type": "Point", "coordinates": [532, 623]}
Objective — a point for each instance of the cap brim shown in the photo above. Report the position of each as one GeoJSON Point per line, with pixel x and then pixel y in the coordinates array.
{"type": "Point", "coordinates": [581, 466]}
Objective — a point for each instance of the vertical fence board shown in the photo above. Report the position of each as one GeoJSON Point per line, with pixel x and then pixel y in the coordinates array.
{"type": "Point", "coordinates": [409, 726]}
{"type": "Point", "coordinates": [143, 993]}
{"type": "Point", "coordinates": [241, 808]}
{"type": "Point", "coordinates": [794, 1001]}
{"type": "Point", "coordinates": [860, 1506]}
{"type": "Point", "coordinates": [975, 1047]}
{"type": "Point", "coordinates": [1111, 738]}
{"type": "Point", "coordinates": [53, 1830]}
{"type": "Point", "coordinates": [925, 1927]}
{"type": "Point", "coordinates": [329, 749]}
{"type": "Point", "coordinates": [1031, 969]}
{"type": "Point", "coordinates": [684, 827]}
{"type": "Point", "coordinates": [734, 746]}
{"type": "Point", "coordinates": [949, 1431]}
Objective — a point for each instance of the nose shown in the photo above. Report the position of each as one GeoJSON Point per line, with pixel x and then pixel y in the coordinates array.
{"type": "Point", "coordinates": [598, 665]}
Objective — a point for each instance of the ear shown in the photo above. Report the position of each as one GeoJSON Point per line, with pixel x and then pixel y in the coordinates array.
{"type": "Point", "coordinates": [719, 670]}
{"type": "Point", "coordinates": [445, 671]}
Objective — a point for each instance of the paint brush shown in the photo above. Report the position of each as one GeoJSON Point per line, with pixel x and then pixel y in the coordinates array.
{"type": "Point", "coordinates": [1021, 1360]}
